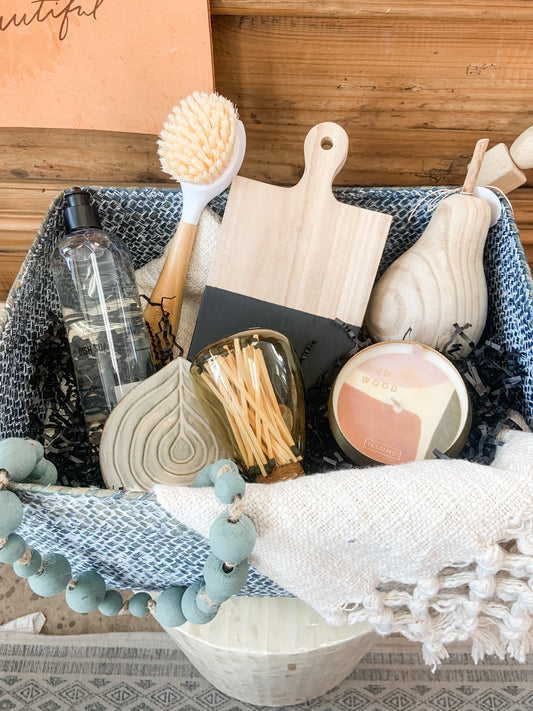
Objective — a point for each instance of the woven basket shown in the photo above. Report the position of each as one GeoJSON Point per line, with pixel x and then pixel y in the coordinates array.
{"type": "Point", "coordinates": [273, 651]}
{"type": "Point", "coordinates": [128, 538]}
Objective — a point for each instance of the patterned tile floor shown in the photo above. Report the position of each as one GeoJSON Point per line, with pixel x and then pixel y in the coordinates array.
{"type": "Point", "coordinates": [147, 672]}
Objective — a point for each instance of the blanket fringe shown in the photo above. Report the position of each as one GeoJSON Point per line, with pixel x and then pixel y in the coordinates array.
{"type": "Point", "coordinates": [489, 604]}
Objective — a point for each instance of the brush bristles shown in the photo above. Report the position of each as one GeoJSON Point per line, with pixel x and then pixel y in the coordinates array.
{"type": "Point", "coordinates": [197, 140]}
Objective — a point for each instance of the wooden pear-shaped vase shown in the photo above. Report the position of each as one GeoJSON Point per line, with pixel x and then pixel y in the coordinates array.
{"type": "Point", "coordinates": [438, 282]}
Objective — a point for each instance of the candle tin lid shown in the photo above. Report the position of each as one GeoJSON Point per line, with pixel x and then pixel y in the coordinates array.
{"type": "Point", "coordinates": [398, 401]}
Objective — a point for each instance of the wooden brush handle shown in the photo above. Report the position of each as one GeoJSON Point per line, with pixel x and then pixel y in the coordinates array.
{"type": "Point", "coordinates": [171, 282]}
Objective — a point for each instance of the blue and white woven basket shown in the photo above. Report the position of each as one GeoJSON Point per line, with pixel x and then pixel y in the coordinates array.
{"type": "Point", "coordinates": [129, 538]}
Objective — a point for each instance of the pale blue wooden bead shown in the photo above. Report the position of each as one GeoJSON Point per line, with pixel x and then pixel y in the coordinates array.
{"type": "Point", "coordinates": [138, 604]}
{"type": "Point", "coordinates": [87, 593]}
{"type": "Point", "coordinates": [39, 469]}
{"type": "Point", "coordinates": [55, 577]}
{"type": "Point", "coordinates": [111, 604]}
{"type": "Point", "coordinates": [39, 449]}
{"type": "Point", "coordinates": [168, 607]}
{"type": "Point", "coordinates": [232, 541]}
{"type": "Point", "coordinates": [203, 478]}
{"type": "Point", "coordinates": [26, 570]}
{"type": "Point", "coordinates": [44, 473]}
{"type": "Point", "coordinates": [229, 485]}
{"type": "Point", "coordinates": [220, 586]}
{"type": "Point", "coordinates": [49, 478]}
{"type": "Point", "coordinates": [218, 465]}
{"type": "Point", "coordinates": [190, 608]}
{"type": "Point", "coordinates": [18, 456]}
{"type": "Point", "coordinates": [11, 511]}
{"type": "Point", "coordinates": [13, 549]}
{"type": "Point", "coordinates": [204, 603]}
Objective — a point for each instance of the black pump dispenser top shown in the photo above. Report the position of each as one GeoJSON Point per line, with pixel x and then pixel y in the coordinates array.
{"type": "Point", "coordinates": [78, 211]}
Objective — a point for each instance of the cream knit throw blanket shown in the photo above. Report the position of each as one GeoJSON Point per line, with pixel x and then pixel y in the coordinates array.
{"type": "Point", "coordinates": [439, 551]}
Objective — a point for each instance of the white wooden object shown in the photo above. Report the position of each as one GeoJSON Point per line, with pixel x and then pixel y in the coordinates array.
{"type": "Point", "coordinates": [522, 149]}
{"type": "Point", "coordinates": [440, 280]}
{"type": "Point", "coordinates": [300, 246]}
{"type": "Point", "coordinates": [499, 170]}
{"type": "Point", "coordinates": [157, 434]}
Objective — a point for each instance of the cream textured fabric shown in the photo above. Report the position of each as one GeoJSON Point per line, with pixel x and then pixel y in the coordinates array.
{"type": "Point", "coordinates": [440, 551]}
{"type": "Point", "coordinates": [201, 258]}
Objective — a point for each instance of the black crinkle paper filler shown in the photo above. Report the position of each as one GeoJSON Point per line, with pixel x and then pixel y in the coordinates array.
{"type": "Point", "coordinates": [56, 416]}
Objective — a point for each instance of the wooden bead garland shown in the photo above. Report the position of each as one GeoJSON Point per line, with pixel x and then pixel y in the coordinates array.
{"type": "Point", "coordinates": [232, 535]}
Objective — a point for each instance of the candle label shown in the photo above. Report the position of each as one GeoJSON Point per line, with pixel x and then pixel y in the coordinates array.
{"type": "Point", "coordinates": [398, 407]}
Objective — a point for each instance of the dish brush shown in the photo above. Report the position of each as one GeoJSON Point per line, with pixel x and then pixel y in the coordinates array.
{"type": "Point", "coordinates": [201, 145]}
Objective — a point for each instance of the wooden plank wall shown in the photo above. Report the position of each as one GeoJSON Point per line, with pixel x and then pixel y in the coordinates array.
{"type": "Point", "coordinates": [414, 84]}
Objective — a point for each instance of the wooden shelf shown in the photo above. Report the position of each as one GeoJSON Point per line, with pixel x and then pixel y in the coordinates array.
{"type": "Point", "coordinates": [510, 10]}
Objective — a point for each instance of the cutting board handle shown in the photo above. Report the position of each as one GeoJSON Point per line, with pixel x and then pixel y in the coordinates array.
{"type": "Point", "coordinates": [325, 152]}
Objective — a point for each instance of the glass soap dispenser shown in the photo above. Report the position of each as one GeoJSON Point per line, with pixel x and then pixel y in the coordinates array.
{"type": "Point", "coordinates": [95, 281]}
{"type": "Point", "coordinates": [250, 387]}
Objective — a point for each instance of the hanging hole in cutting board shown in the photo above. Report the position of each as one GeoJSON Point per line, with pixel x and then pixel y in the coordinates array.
{"type": "Point", "coordinates": [326, 143]}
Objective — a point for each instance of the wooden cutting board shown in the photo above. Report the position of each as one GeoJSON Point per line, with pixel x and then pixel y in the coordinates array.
{"type": "Point", "coordinates": [295, 260]}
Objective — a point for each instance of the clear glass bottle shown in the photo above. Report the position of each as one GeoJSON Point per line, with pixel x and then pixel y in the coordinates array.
{"type": "Point", "coordinates": [109, 343]}
{"type": "Point", "coordinates": [251, 389]}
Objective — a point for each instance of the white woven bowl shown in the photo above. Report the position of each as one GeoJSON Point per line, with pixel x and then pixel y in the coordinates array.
{"type": "Point", "coordinates": [273, 651]}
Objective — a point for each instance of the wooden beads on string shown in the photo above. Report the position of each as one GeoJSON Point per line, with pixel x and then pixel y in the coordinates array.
{"type": "Point", "coordinates": [232, 540]}
{"type": "Point", "coordinates": [53, 576]}
{"type": "Point", "coordinates": [11, 511]}
{"type": "Point", "coordinates": [25, 461]}
{"type": "Point", "coordinates": [86, 592]}
{"type": "Point", "coordinates": [44, 473]}
{"type": "Point", "coordinates": [199, 613]}
{"type": "Point", "coordinates": [19, 456]}
{"type": "Point", "coordinates": [29, 564]}
{"type": "Point", "coordinates": [111, 604]}
{"type": "Point", "coordinates": [138, 604]}
{"type": "Point", "coordinates": [232, 537]}
{"type": "Point", "coordinates": [168, 607]}
{"type": "Point", "coordinates": [13, 549]}
{"type": "Point", "coordinates": [50, 574]}
{"type": "Point", "coordinates": [221, 582]}
{"type": "Point", "coordinates": [229, 485]}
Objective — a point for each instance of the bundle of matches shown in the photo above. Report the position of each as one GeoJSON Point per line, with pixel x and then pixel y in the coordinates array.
{"type": "Point", "coordinates": [239, 380]}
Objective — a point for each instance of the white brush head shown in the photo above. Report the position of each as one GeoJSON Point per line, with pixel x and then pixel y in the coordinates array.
{"type": "Point", "coordinates": [197, 140]}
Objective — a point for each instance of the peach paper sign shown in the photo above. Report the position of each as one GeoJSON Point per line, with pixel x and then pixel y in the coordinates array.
{"type": "Point", "coordinates": [114, 65]}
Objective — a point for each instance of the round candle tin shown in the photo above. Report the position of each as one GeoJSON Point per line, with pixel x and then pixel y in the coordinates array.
{"type": "Point", "coordinates": [399, 401]}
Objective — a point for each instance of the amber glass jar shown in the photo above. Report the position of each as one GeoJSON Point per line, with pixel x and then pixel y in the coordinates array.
{"type": "Point", "coordinates": [250, 387]}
